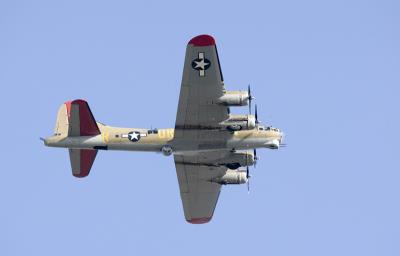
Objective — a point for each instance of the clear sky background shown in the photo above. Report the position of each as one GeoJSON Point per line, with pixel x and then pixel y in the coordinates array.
{"type": "Point", "coordinates": [326, 72]}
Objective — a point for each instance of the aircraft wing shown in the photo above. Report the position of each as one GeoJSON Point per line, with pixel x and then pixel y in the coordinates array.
{"type": "Point", "coordinates": [199, 195]}
{"type": "Point", "coordinates": [202, 85]}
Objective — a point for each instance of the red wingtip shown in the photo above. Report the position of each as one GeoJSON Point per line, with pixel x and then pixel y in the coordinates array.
{"type": "Point", "coordinates": [199, 220]}
{"type": "Point", "coordinates": [202, 40]}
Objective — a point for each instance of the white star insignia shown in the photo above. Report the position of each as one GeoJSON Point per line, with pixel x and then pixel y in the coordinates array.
{"type": "Point", "coordinates": [134, 136]}
{"type": "Point", "coordinates": [201, 64]}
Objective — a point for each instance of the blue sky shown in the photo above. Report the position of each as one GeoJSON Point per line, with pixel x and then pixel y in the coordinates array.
{"type": "Point", "coordinates": [326, 72]}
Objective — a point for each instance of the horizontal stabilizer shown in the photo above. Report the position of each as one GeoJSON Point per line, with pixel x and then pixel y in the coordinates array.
{"type": "Point", "coordinates": [81, 161]}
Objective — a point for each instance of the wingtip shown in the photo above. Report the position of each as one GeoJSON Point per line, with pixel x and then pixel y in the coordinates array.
{"type": "Point", "coordinates": [202, 220]}
{"type": "Point", "coordinates": [202, 40]}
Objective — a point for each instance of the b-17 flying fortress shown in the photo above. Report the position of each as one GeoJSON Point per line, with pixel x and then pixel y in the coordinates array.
{"type": "Point", "coordinates": [210, 146]}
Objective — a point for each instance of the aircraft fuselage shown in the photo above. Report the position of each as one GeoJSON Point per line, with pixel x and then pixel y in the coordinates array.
{"type": "Point", "coordinates": [136, 139]}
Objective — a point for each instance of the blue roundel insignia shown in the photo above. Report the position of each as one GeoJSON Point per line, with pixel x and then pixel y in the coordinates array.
{"type": "Point", "coordinates": [201, 64]}
{"type": "Point", "coordinates": [134, 136]}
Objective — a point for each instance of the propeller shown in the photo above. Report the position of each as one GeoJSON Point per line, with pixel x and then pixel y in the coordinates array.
{"type": "Point", "coordinates": [248, 179]}
{"type": "Point", "coordinates": [248, 175]}
{"type": "Point", "coordinates": [256, 115]}
{"type": "Point", "coordinates": [250, 97]}
{"type": "Point", "coordinates": [255, 157]}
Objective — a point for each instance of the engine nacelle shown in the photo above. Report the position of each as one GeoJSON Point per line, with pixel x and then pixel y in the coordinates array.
{"type": "Point", "coordinates": [232, 177]}
{"type": "Point", "coordinates": [234, 98]}
{"type": "Point", "coordinates": [238, 159]}
{"type": "Point", "coordinates": [239, 122]}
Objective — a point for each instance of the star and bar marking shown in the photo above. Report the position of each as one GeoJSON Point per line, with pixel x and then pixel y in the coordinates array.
{"type": "Point", "coordinates": [134, 136]}
{"type": "Point", "coordinates": [201, 64]}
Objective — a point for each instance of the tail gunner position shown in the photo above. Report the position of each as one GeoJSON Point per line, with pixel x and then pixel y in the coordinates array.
{"type": "Point", "coordinates": [210, 146]}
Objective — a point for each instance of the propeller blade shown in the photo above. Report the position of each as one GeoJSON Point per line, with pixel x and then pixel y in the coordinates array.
{"type": "Point", "coordinates": [247, 164]}
{"type": "Point", "coordinates": [255, 158]}
{"type": "Point", "coordinates": [250, 97]}
{"type": "Point", "coordinates": [256, 114]}
{"type": "Point", "coordinates": [248, 179]}
{"type": "Point", "coordinates": [249, 107]}
{"type": "Point", "coordinates": [248, 174]}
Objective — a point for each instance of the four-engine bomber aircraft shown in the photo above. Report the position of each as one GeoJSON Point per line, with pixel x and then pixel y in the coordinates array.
{"type": "Point", "coordinates": [208, 143]}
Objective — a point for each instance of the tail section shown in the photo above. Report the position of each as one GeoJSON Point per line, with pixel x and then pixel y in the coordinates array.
{"type": "Point", "coordinates": [75, 119]}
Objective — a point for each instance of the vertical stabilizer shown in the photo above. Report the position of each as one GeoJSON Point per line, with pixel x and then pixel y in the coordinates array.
{"type": "Point", "coordinates": [81, 120]}
{"type": "Point", "coordinates": [75, 118]}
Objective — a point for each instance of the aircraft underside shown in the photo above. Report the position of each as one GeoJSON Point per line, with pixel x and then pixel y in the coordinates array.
{"type": "Point", "coordinates": [210, 146]}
